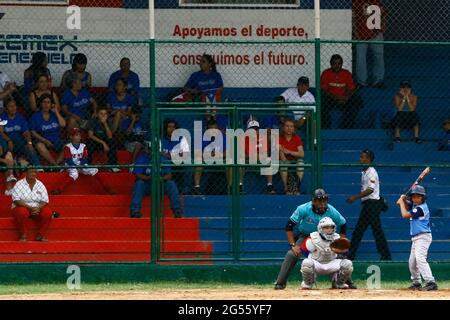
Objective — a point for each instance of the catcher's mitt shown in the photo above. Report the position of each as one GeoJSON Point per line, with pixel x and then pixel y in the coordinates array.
{"type": "Point", "coordinates": [340, 245]}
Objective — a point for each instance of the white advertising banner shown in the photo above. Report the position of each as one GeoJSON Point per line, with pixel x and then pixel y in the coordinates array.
{"type": "Point", "coordinates": [243, 65]}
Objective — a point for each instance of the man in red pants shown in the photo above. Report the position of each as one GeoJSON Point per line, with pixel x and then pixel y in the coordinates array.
{"type": "Point", "coordinates": [30, 200]}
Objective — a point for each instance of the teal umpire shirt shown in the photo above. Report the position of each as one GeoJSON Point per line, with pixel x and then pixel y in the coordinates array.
{"type": "Point", "coordinates": [306, 219]}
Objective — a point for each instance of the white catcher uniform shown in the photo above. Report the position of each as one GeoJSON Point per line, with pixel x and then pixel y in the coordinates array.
{"type": "Point", "coordinates": [322, 260]}
{"type": "Point", "coordinates": [79, 158]}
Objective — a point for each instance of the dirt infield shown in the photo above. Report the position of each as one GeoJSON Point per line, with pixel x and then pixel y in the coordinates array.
{"type": "Point", "coordinates": [238, 294]}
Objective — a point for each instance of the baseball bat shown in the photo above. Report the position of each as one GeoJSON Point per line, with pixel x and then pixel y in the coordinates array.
{"type": "Point", "coordinates": [419, 179]}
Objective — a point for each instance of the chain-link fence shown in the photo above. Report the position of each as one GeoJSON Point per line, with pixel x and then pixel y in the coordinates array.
{"type": "Point", "coordinates": [391, 99]}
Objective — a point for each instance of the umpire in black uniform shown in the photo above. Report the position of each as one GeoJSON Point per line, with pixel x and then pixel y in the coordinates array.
{"type": "Point", "coordinates": [372, 206]}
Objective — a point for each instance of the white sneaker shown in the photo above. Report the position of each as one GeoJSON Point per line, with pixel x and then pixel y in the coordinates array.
{"type": "Point", "coordinates": [115, 170]}
{"type": "Point", "coordinates": [11, 178]}
{"type": "Point", "coordinates": [343, 286]}
{"type": "Point", "coordinates": [304, 286]}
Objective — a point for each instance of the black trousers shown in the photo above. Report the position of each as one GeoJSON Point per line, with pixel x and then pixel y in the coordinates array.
{"type": "Point", "coordinates": [370, 216]}
{"type": "Point", "coordinates": [350, 111]}
{"type": "Point", "coordinates": [93, 146]}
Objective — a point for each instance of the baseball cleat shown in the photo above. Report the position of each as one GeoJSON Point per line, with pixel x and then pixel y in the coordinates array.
{"type": "Point", "coordinates": [429, 286]}
{"type": "Point", "coordinates": [279, 286]}
{"type": "Point", "coordinates": [415, 286]}
{"type": "Point", "coordinates": [305, 286]}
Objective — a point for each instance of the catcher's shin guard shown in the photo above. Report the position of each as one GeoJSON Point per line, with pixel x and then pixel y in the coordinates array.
{"type": "Point", "coordinates": [308, 273]}
{"type": "Point", "coordinates": [344, 273]}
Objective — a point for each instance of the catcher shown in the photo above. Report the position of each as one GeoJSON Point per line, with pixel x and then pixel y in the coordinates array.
{"type": "Point", "coordinates": [323, 246]}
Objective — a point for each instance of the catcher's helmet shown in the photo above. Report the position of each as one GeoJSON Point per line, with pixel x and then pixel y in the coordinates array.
{"type": "Point", "coordinates": [326, 222]}
{"type": "Point", "coordinates": [320, 194]}
{"type": "Point", "coordinates": [418, 189]}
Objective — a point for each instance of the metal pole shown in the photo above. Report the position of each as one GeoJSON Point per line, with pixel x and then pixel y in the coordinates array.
{"type": "Point", "coordinates": [317, 126]}
{"type": "Point", "coordinates": [151, 18]}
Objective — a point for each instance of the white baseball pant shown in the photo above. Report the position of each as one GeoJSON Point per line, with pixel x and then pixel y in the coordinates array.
{"type": "Point", "coordinates": [418, 265]}
{"type": "Point", "coordinates": [73, 173]}
{"type": "Point", "coordinates": [326, 268]}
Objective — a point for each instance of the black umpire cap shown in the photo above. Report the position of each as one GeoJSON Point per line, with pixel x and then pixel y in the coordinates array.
{"type": "Point", "coordinates": [320, 194]}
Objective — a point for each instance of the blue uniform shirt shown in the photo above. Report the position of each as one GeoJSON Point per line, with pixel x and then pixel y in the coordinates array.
{"type": "Point", "coordinates": [207, 83]}
{"type": "Point", "coordinates": [420, 219]}
{"type": "Point", "coordinates": [78, 105]}
{"type": "Point", "coordinates": [307, 220]}
{"type": "Point", "coordinates": [50, 129]}
{"type": "Point", "coordinates": [16, 127]}
{"type": "Point", "coordinates": [132, 81]}
{"type": "Point", "coordinates": [116, 104]}
{"type": "Point", "coordinates": [144, 159]}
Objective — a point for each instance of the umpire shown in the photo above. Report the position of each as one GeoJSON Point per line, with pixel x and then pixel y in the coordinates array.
{"type": "Point", "coordinates": [372, 205]}
{"type": "Point", "coordinates": [307, 217]}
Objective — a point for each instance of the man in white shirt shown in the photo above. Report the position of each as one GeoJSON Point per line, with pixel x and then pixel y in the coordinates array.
{"type": "Point", "coordinates": [7, 87]}
{"type": "Point", "coordinates": [372, 205]}
{"type": "Point", "coordinates": [30, 200]}
{"type": "Point", "coordinates": [299, 94]}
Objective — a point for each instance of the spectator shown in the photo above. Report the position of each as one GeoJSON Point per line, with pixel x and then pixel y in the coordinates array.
{"type": "Point", "coordinates": [30, 200]}
{"type": "Point", "coordinates": [46, 127]}
{"type": "Point", "coordinates": [120, 103]}
{"type": "Point", "coordinates": [299, 94]}
{"type": "Point", "coordinates": [16, 133]}
{"type": "Point", "coordinates": [75, 105]}
{"type": "Point", "coordinates": [142, 187]}
{"type": "Point", "coordinates": [260, 147]}
{"type": "Point", "coordinates": [368, 25]}
{"type": "Point", "coordinates": [75, 156]}
{"type": "Point", "coordinates": [172, 149]}
{"type": "Point", "coordinates": [338, 91]}
{"type": "Point", "coordinates": [372, 206]}
{"type": "Point", "coordinates": [79, 72]}
{"type": "Point", "coordinates": [406, 117]}
{"type": "Point", "coordinates": [217, 151]}
{"type": "Point", "coordinates": [131, 78]}
{"type": "Point", "coordinates": [7, 87]}
{"type": "Point", "coordinates": [38, 67]}
{"type": "Point", "coordinates": [133, 132]}
{"type": "Point", "coordinates": [207, 84]}
{"type": "Point", "coordinates": [43, 87]}
{"type": "Point", "coordinates": [101, 138]}
{"type": "Point", "coordinates": [291, 151]}
{"type": "Point", "coordinates": [444, 143]}
{"type": "Point", "coordinates": [6, 158]}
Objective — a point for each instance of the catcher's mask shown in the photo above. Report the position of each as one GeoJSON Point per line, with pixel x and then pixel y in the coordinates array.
{"type": "Point", "coordinates": [326, 222]}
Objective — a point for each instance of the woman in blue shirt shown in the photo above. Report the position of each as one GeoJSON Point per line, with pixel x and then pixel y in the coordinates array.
{"type": "Point", "coordinates": [38, 67]}
{"type": "Point", "coordinates": [78, 71]}
{"type": "Point", "coordinates": [46, 127]}
{"type": "Point", "coordinates": [75, 105]}
{"type": "Point", "coordinates": [120, 103]}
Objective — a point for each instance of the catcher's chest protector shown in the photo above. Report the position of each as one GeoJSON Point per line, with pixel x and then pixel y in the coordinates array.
{"type": "Point", "coordinates": [323, 254]}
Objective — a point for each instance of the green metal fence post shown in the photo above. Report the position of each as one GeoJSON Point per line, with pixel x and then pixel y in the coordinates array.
{"type": "Point", "coordinates": [235, 207]}
{"type": "Point", "coordinates": [154, 125]}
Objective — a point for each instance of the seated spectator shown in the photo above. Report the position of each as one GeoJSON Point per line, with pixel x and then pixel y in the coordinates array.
{"type": "Point", "coordinates": [17, 134]}
{"type": "Point", "coordinates": [444, 143]}
{"type": "Point", "coordinates": [131, 78]}
{"type": "Point", "coordinates": [261, 145]}
{"type": "Point", "coordinates": [291, 151]}
{"type": "Point", "coordinates": [30, 200]}
{"type": "Point", "coordinates": [206, 84]}
{"type": "Point", "coordinates": [7, 87]}
{"type": "Point", "coordinates": [76, 102]}
{"type": "Point", "coordinates": [120, 103]}
{"type": "Point", "coordinates": [43, 87]}
{"type": "Point", "coordinates": [176, 148]}
{"type": "Point", "coordinates": [142, 187]}
{"type": "Point", "coordinates": [339, 91]}
{"type": "Point", "coordinates": [299, 94]}
{"type": "Point", "coordinates": [101, 138]}
{"type": "Point", "coordinates": [214, 151]}
{"type": "Point", "coordinates": [406, 117]}
{"type": "Point", "coordinates": [46, 127]}
{"type": "Point", "coordinates": [78, 71]}
{"type": "Point", "coordinates": [38, 67]}
{"type": "Point", "coordinates": [6, 159]}
{"type": "Point", "coordinates": [75, 156]}
{"type": "Point", "coordinates": [133, 132]}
